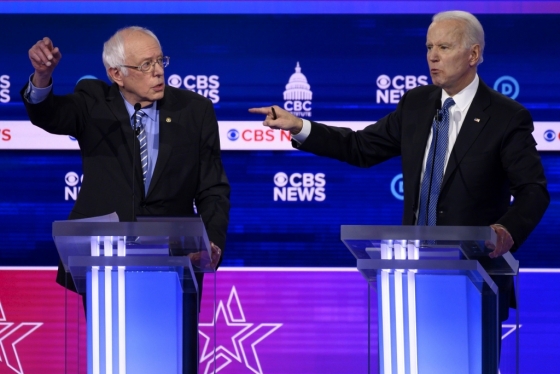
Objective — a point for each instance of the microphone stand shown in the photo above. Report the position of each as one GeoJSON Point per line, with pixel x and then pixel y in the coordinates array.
{"type": "Point", "coordinates": [137, 107]}
{"type": "Point", "coordinates": [435, 133]}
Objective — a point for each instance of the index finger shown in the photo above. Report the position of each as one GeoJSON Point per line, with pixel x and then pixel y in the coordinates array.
{"type": "Point", "coordinates": [264, 110]}
{"type": "Point", "coordinates": [496, 253]}
{"type": "Point", "coordinates": [48, 42]}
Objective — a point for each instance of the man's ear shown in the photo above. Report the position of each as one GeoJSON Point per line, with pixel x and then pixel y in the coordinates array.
{"type": "Point", "coordinates": [116, 76]}
{"type": "Point", "coordinates": [475, 55]}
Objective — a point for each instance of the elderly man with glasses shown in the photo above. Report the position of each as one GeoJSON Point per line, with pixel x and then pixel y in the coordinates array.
{"type": "Point", "coordinates": [180, 163]}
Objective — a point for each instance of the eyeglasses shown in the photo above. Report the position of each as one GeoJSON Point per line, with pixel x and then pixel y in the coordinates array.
{"type": "Point", "coordinates": [148, 65]}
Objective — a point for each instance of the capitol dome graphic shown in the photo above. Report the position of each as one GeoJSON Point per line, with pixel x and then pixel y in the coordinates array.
{"type": "Point", "coordinates": [298, 88]}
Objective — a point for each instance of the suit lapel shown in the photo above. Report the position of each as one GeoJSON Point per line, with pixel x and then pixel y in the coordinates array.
{"type": "Point", "coordinates": [118, 108]}
{"type": "Point", "coordinates": [169, 115]}
{"type": "Point", "coordinates": [474, 122]}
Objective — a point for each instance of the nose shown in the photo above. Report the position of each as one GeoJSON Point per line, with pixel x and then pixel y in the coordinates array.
{"type": "Point", "coordinates": [433, 55]}
{"type": "Point", "coordinates": [157, 70]}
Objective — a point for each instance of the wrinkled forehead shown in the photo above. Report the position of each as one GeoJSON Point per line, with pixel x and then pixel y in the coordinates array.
{"type": "Point", "coordinates": [445, 31]}
{"type": "Point", "coordinates": [139, 45]}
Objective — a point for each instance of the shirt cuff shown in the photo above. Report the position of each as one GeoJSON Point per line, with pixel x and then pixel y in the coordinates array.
{"type": "Point", "coordinates": [34, 95]}
{"type": "Point", "coordinates": [304, 133]}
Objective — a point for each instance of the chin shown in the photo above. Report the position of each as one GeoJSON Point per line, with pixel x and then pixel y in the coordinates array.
{"type": "Point", "coordinates": [438, 82]}
{"type": "Point", "coordinates": [157, 96]}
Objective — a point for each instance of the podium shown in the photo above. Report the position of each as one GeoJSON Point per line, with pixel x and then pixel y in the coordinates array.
{"type": "Point", "coordinates": [437, 305]}
{"type": "Point", "coordinates": [134, 275]}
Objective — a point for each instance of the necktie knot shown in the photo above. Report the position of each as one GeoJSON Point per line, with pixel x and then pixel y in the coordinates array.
{"type": "Point", "coordinates": [447, 103]}
{"type": "Point", "coordinates": [139, 118]}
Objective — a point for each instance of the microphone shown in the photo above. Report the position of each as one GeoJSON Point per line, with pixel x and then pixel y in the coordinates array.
{"type": "Point", "coordinates": [135, 133]}
{"type": "Point", "coordinates": [438, 110]}
{"type": "Point", "coordinates": [438, 118]}
{"type": "Point", "coordinates": [137, 107]}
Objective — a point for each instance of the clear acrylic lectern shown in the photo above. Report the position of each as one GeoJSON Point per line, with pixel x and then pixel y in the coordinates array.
{"type": "Point", "coordinates": [134, 275]}
{"type": "Point", "coordinates": [437, 306]}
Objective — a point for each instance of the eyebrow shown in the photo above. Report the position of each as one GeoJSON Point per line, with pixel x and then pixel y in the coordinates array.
{"type": "Point", "coordinates": [145, 59]}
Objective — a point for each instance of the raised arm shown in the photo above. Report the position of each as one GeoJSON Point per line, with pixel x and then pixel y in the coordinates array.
{"type": "Point", "coordinates": [44, 58]}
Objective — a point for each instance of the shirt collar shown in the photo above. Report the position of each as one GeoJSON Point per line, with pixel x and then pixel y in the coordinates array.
{"type": "Point", "coordinates": [464, 98]}
{"type": "Point", "coordinates": [150, 110]}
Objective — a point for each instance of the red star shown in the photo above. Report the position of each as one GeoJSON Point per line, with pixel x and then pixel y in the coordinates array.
{"type": "Point", "coordinates": [10, 335]}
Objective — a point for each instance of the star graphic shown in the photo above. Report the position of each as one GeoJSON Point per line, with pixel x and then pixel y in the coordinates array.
{"type": "Point", "coordinates": [229, 328]}
{"type": "Point", "coordinates": [10, 335]}
{"type": "Point", "coordinates": [508, 329]}
{"type": "Point", "coordinates": [241, 337]}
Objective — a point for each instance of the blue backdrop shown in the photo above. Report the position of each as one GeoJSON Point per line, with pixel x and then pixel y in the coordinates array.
{"type": "Point", "coordinates": [357, 66]}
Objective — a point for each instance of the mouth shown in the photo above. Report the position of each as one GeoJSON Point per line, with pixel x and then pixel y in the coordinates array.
{"type": "Point", "coordinates": [158, 87]}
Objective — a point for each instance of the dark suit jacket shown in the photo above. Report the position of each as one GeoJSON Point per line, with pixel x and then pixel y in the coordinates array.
{"type": "Point", "coordinates": [494, 157]}
{"type": "Point", "coordinates": [188, 166]}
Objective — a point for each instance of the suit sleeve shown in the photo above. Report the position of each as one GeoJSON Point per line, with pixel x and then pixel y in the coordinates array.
{"type": "Point", "coordinates": [364, 148]}
{"type": "Point", "coordinates": [212, 196]}
{"type": "Point", "coordinates": [60, 115]}
{"type": "Point", "coordinates": [525, 173]}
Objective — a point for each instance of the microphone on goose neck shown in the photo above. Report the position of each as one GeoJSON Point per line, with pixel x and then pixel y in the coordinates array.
{"type": "Point", "coordinates": [137, 107]}
{"type": "Point", "coordinates": [438, 110]}
{"type": "Point", "coordinates": [135, 133]}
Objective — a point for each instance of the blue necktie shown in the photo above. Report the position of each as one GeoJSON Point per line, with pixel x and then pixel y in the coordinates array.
{"type": "Point", "coordinates": [142, 139]}
{"type": "Point", "coordinates": [433, 175]}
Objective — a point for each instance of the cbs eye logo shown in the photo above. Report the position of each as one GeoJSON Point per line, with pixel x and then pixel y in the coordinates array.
{"type": "Point", "coordinates": [299, 187]}
{"type": "Point", "coordinates": [72, 179]}
{"type": "Point", "coordinates": [549, 135]}
{"type": "Point", "coordinates": [233, 135]}
{"type": "Point", "coordinates": [281, 179]}
{"type": "Point", "coordinates": [383, 82]}
{"type": "Point", "coordinates": [205, 85]}
{"type": "Point", "coordinates": [72, 189]}
{"type": "Point", "coordinates": [390, 90]}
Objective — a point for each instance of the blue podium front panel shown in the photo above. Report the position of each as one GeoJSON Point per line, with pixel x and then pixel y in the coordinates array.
{"type": "Point", "coordinates": [448, 325]}
{"type": "Point", "coordinates": [431, 323]}
{"type": "Point", "coordinates": [134, 322]}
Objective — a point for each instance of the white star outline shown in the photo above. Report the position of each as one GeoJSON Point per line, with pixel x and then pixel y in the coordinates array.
{"type": "Point", "coordinates": [237, 339]}
{"type": "Point", "coordinates": [4, 326]}
{"type": "Point", "coordinates": [511, 329]}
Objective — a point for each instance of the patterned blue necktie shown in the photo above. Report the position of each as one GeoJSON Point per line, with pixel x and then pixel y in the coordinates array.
{"type": "Point", "coordinates": [433, 175]}
{"type": "Point", "coordinates": [142, 139]}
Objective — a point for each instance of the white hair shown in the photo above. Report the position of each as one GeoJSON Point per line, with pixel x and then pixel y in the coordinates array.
{"type": "Point", "coordinates": [474, 33]}
{"type": "Point", "coordinates": [113, 49]}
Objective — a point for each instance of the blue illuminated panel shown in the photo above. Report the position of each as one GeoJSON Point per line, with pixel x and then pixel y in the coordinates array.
{"type": "Point", "coordinates": [357, 69]}
{"type": "Point", "coordinates": [263, 231]}
{"type": "Point", "coordinates": [275, 7]}
{"type": "Point", "coordinates": [152, 323]}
